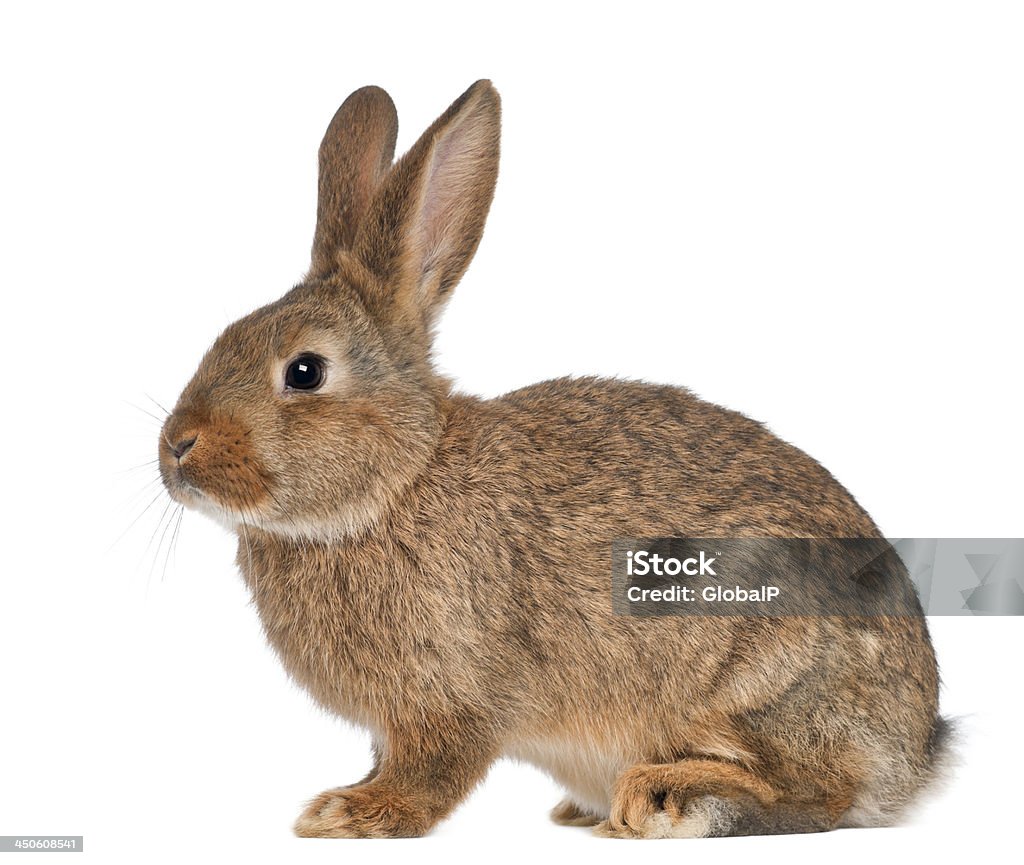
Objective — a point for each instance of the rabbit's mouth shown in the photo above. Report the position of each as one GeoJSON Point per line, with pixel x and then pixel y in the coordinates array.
{"type": "Point", "coordinates": [187, 493]}
{"type": "Point", "coordinates": [184, 490]}
{"type": "Point", "coordinates": [208, 463]}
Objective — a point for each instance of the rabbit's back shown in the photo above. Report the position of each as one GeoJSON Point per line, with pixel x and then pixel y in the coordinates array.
{"type": "Point", "coordinates": [657, 460]}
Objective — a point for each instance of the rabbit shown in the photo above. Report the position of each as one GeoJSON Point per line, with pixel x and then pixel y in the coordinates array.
{"type": "Point", "coordinates": [433, 566]}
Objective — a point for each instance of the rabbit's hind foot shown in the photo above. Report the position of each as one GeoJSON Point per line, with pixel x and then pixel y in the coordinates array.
{"type": "Point", "coordinates": [704, 799]}
{"type": "Point", "coordinates": [568, 813]}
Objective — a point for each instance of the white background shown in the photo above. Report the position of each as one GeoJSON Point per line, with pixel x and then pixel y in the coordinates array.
{"type": "Point", "coordinates": [811, 212]}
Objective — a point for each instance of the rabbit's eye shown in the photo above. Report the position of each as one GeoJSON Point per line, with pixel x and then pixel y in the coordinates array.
{"type": "Point", "coordinates": [306, 372]}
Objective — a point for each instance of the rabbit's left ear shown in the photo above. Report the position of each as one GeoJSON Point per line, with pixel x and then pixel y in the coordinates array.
{"type": "Point", "coordinates": [355, 156]}
{"type": "Point", "coordinates": [427, 218]}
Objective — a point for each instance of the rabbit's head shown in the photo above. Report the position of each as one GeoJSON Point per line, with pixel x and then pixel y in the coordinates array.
{"type": "Point", "coordinates": [309, 416]}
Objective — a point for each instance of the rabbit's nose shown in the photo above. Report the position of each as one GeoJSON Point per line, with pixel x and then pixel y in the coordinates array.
{"type": "Point", "coordinates": [184, 446]}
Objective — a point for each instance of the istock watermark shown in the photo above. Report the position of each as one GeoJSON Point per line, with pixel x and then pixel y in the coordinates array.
{"type": "Point", "coordinates": [818, 576]}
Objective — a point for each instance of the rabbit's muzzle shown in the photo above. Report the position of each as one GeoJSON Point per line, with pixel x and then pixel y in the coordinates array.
{"type": "Point", "coordinates": [207, 458]}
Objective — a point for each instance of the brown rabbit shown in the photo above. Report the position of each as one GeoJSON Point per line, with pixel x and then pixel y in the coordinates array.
{"type": "Point", "coordinates": [434, 566]}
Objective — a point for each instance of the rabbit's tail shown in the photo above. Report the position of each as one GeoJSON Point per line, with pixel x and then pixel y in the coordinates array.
{"type": "Point", "coordinates": [942, 751]}
{"type": "Point", "coordinates": [892, 795]}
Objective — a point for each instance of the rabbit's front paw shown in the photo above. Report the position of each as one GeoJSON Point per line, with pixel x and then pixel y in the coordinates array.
{"type": "Point", "coordinates": [363, 811]}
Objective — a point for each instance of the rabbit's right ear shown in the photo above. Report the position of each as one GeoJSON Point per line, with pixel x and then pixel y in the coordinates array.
{"type": "Point", "coordinates": [355, 156]}
{"type": "Point", "coordinates": [425, 222]}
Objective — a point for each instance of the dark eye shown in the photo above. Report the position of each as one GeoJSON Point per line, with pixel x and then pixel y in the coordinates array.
{"type": "Point", "coordinates": [306, 372]}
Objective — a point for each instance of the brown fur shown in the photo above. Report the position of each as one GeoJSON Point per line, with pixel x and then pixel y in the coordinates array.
{"type": "Point", "coordinates": [435, 567]}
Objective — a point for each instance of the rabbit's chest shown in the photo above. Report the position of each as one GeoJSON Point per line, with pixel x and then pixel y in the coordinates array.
{"type": "Point", "coordinates": [346, 632]}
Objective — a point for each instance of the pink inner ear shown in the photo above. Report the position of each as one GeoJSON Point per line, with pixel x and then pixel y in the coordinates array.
{"type": "Point", "coordinates": [451, 197]}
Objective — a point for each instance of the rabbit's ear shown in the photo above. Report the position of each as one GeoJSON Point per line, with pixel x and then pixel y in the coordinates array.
{"type": "Point", "coordinates": [355, 156]}
{"type": "Point", "coordinates": [427, 218]}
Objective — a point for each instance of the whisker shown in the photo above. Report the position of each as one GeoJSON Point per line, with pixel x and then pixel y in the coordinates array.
{"type": "Point", "coordinates": [177, 531]}
{"type": "Point", "coordinates": [160, 543]}
{"type": "Point", "coordinates": [132, 524]}
{"type": "Point", "coordinates": [176, 519]}
{"type": "Point", "coordinates": [139, 467]}
{"type": "Point", "coordinates": [141, 497]}
{"type": "Point", "coordinates": [159, 420]}
{"type": "Point", "coordinates": [248, 549]}
{"type": "Point", "coordinates": [154, 480]}
{"type": "Point", "coordinates": [152, 537]}
{"type": "Point", "coordinates": [158, 405]}
{"type": "Point", "coordinates": [249, 514]}
{"type": "Point", "coordinates": [287, 517]}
